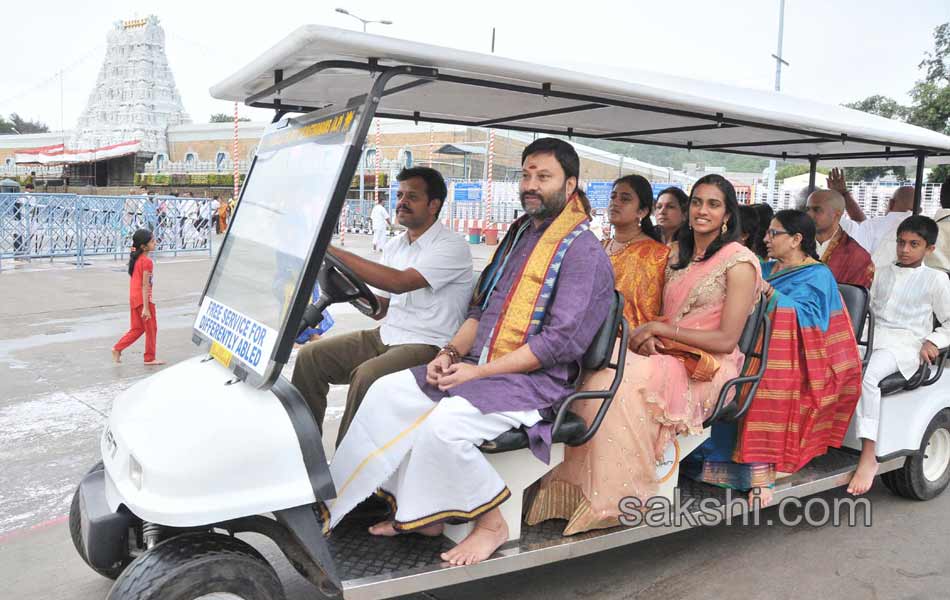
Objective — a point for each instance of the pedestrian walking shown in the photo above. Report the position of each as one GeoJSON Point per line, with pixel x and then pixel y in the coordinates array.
{"type": "Point", "coordinates": [142, 316]}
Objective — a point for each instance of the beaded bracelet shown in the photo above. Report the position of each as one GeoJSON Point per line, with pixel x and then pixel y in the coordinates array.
{"type": "Point", "coordinates": [452, 352]}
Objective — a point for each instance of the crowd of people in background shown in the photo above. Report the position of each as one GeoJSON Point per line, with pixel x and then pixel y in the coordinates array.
{"type": "Point", "coordinates": [203, 212]}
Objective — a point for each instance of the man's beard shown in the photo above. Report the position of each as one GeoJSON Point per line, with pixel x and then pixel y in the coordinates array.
{"type": "Point", "coordinates": [550, 205]}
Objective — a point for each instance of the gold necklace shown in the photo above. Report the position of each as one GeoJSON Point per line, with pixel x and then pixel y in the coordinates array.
{"type": "Point", "coordinates": [623, 245]}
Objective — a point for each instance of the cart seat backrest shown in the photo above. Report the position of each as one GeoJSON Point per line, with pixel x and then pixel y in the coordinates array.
{"type": "Point", "coordinates": [574, 430]}
{"type": "Point", "coordinates": [601, 349]}
{"type": "Point", "coordinates": [857, 300]}
{"type": "Point", "coordinates": [750, 331]}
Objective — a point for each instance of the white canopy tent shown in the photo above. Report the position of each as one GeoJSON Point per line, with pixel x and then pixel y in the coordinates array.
{"type": "Point", "coordinates": [319, 67]}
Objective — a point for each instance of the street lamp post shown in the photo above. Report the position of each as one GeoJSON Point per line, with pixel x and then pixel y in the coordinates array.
{"type": "Point", "coordinates": [365, 22]}
{"type": "Point", "coordinates": [779, 61]}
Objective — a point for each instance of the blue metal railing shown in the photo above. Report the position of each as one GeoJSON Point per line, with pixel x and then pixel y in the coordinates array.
{"type": "Point", "coordinates": [51, 226]}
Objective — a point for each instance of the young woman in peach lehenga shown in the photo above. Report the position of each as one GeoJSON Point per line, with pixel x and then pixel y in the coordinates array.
{"type": "Point", "coordinates": [712, 283]}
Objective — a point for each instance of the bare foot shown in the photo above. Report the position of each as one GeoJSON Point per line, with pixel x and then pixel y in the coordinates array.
{"type": "Point", "coordinates": [116, 356]}
{"type": "Point", "coordinates": [388, 529]}
{"type": "Point", "coordinates": [864, 476]}
{"type": "Point", "coordinates": [155, 362]}
{"type": "Point", "coordinates": [764, 496]}
{"type": "Point", "coordinates": [489, 533]}
{"type": "Point", "coordinates": [384, 528]}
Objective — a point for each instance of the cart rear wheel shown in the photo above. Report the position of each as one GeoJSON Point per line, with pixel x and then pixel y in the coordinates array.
{"type": "Point", "coordinates": [927, 474]}
{"type": "Point", "coordinates": [75, 532]}
{"type": "Point", "coordinates": [193, 566]}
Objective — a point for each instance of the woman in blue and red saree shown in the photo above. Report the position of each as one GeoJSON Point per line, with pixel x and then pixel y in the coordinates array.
{"type": "Point", "coordinates": [810, 387]}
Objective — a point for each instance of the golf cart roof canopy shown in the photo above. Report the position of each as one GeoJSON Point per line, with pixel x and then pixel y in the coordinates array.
{"type": "Point", "coordinates": [316, 67]}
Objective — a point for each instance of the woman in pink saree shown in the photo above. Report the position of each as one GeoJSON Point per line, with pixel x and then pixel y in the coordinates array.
{"type": "Point", "coordinates": [712, 283]}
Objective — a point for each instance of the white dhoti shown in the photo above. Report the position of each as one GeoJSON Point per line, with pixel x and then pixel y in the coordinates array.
{"type": "Point", "coordinates": [379, 237]}
{"type": "Point", "coordinates": [867, 415]}
{"type": "Point", "coordinates": [423, 454]}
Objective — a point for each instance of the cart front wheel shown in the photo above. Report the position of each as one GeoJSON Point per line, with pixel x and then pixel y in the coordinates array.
{"type": "Point", "coordinates": [199, 566]}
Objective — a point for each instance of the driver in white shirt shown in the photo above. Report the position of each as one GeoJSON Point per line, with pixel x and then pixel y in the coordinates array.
{"type": "Point", "coordinates": [424, 285]}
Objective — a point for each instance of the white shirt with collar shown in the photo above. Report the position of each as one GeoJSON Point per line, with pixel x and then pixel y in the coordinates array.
{"type": "Point", "coordinates": [379, 216]}
{"type": "Point", "coordinates": [822, 246]}
{"type": "Point", "coordinates": [878, 235]}
{"type": "Point", "coordinates": [433, 314]}
{"type": "Point", "coordinates": [904, 302]}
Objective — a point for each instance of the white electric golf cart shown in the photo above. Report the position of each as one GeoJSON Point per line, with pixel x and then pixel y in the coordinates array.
{"type": "Point", "coordinates": [222, 444]}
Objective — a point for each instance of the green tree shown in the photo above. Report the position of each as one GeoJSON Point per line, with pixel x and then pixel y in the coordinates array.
{"type": "Point", "coordinates": [931, 95]}
{"type": "Point", "coordinates": [17, 124]}
{"type": "Point", "coordinates": [793, 170]}
{"type": "Point", "coordinates": [883, 107]}
{"type": "Point", "coordinates": [676, 157]}
{"type": "Point", "coordinates": [225, 118]}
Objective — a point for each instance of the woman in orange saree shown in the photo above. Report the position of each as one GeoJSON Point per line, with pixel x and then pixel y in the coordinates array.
{"type": "Point", "coordinates": [637, 255]}
{"type": "Point", "coordinates": [712, 283]}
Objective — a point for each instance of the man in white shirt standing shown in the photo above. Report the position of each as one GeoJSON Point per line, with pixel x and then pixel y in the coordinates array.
{"type": "Point", "coordinates": [381, 224]}
{"type": "Point", "coordinates": [877, 235]}
{"type": "Point", "coordinates": [424, 285]}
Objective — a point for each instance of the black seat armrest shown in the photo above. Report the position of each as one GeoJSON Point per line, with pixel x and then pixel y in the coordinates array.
{"type": "Point", "coordinates": [941, 362]}
{"type": "Point", "coordinates": [568, 427]}
{"type": "Point", "coordinates": [869, 343]}
{"type": "Point", "coordinates": [754, 343]}
{"type": "Point", "coordinates": [606, 395]}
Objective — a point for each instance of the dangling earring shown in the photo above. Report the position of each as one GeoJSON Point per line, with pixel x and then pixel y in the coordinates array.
{"type": "Point", "coordinates": [724, 228]}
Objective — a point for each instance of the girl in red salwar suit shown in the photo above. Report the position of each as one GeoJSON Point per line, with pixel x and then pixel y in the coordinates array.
{"type": "Point", "coordinates": [142, 316]}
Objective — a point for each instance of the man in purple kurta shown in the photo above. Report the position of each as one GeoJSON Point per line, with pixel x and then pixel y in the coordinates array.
{"type": "Point", "coordinates": [415, 438]}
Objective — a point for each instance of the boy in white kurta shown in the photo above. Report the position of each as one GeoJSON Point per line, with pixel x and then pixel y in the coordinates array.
{"type": "Point", "coordinates": [905, 297]}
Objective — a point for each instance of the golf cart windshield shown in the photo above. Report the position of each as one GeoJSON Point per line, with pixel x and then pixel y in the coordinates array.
{"type": "Point", "coordinates": [274, 235]}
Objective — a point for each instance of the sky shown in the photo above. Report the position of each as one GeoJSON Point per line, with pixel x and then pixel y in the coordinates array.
{"type": "Point", "coordinates": [838, 51]}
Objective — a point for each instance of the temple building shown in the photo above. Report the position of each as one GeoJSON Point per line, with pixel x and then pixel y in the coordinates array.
{"type": "Point", "coordinates": [135, 130]}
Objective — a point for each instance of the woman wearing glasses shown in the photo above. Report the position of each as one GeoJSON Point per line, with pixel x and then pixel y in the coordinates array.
{"type": "Point", "coordinates": [812, 379]}
{"type": "Point", "coordinates": [675, 367]}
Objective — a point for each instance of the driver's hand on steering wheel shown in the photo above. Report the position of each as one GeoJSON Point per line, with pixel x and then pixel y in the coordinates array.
{"type": "Point", "coordinates": [437, 368]}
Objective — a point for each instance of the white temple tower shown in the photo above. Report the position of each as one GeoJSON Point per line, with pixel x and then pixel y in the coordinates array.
{"type": "Point", "coordinates": [135, 97]}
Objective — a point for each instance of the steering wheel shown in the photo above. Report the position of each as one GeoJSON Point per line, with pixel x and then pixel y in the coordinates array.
{"type": "Point", "coordinates": [339, 284]}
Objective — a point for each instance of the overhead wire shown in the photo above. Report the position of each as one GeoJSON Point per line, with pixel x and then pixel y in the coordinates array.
{"type": "Point", "coordinates": [51, 78]}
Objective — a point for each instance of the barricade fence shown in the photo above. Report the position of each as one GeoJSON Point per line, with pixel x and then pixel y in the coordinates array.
{"type": "Point", "coordinates": [51, 226]}
{"type": "Point", "coordinates": [465, 207]}
{"type": "Point", "coordinates": [871, 196]}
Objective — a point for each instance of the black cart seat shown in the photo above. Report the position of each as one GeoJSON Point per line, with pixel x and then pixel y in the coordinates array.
{"type": "Point", "coordinates": [858, 302]}
{"type": "Point", "coordinates": [754, 344]}
{"type": "Point", "coordinates": [568, 427]}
